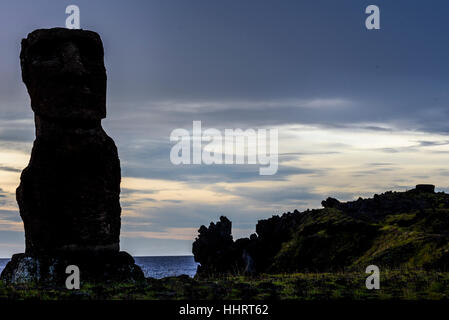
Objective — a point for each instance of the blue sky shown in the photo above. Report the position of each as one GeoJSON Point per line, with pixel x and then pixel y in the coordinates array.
{"type": "Point", "coordinates": [358, 111]}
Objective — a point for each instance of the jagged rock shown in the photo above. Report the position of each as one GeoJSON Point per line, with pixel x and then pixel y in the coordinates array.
{"type": "Point", "coordinates": [330, 203]}
{"type": "Point", "coordinates": [390, 230]}
{"type": "Point", "coordinates": [69, 193]}
{"type": "Point", "coordinates": [215, 249]}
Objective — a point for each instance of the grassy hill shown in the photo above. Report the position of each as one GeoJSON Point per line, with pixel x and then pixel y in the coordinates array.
{"type": "Point", "coordinates": [392, 230]}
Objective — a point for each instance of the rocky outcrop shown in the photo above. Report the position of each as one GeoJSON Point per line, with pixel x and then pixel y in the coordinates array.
{"type": "Point", "coordinates": [430, 188]}
{"type": "Point", "coordinates": [393, 229]}
{"type": "Point", "coordinates": [215, 249]}
{"type": "Point", "coordinates": [94, 267]}
{"type": "Point", "coordinates": [69, 194]}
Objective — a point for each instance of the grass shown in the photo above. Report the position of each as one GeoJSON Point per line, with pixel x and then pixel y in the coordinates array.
{"type": "Point", "coordinates": [394, 284]}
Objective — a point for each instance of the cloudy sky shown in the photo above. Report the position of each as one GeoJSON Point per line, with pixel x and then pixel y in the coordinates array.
{"type": "Point", "coordinates": [358, 111]}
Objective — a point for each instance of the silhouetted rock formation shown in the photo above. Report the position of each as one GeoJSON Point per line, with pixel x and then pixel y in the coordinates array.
{"type": "Point", "coordinates": [69, 193]}
{"type": "Point", "coordinates": [330, 203]}
{"type": "Point", "coordinates": [425, 188]}
{"type": "Point", "coordinates": [214, 248]}
{"type": "Point", "coordinates": [393, 229]}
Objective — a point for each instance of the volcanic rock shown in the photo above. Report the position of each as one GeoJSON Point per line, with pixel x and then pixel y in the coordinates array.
{"type": "Point", "coordinates": [391, 230]}
{"type": "Point", "coordinates": [215, 249]}
{"type": "Point", "coordinates": [69, 194]}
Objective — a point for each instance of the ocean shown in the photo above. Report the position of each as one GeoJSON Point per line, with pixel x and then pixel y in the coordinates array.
{"type": "Point", "coordinates": [156, 267]}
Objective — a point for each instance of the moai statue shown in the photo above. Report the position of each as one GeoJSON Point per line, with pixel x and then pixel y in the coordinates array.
{"type": "Point", "coordinates": [69, 193]}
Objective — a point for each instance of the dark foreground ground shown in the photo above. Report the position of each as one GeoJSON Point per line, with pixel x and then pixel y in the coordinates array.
{"type": "Point", "coordinates": [397, 284]}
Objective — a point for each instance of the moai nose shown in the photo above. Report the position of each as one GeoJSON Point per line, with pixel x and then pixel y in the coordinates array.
{"type": "Point", "coordinates": [71, 58]}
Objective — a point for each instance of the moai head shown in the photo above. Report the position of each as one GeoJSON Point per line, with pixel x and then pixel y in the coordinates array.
{"type": "Point", "coordinates": [64, 73]}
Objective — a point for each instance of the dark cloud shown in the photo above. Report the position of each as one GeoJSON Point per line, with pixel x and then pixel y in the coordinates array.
{"type": "Point", "coordinates": [172, 201]}
{"type": "Point", "coordinates": [126, 191]}
{"type": "Point", "coordinates": [432, 143]}
{"type": "Point", "coordinates": [210, 174]}
{"type": "Point", "coordinates": [298, 51]}
{"type": "Point", "coordinates": [280, 196]}
{"type": "Point", "coordinates": [10, 215]}
{"type": "Point", "coordinates": [16, 130]}
{"type": "Point", "coordinates": [381, 164]}
{"type": "Point", "coordinates": [10, 169]}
